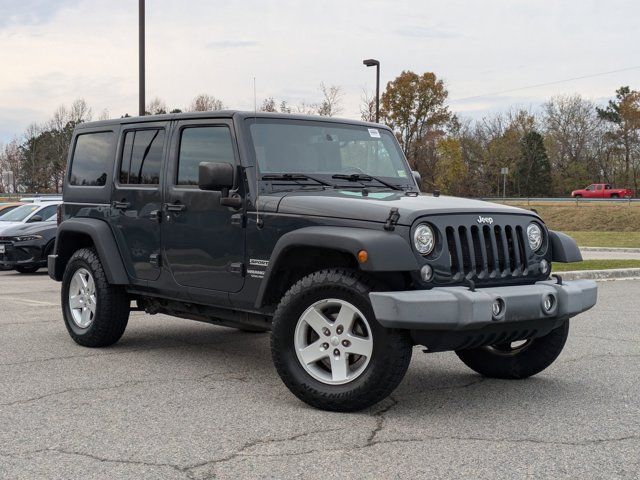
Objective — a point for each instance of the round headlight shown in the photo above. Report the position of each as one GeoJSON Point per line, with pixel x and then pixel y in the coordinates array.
{"type": "Point", "coordinates": [534, 234]}
{"type": "Point", "coordinates": [424, 239]}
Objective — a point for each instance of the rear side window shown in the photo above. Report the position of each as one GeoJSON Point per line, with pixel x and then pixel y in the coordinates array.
{"type": "Point", "coordinates": [202, 144]}
{"type": "Point", "coordinates": [91, 157]}
{"type": "Point", "coordinates": [142, 157]}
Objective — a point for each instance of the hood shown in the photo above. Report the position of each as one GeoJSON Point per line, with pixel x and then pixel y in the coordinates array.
{"type": "Point", "coordinates": [15, 229]}
{"type": "Point", "coordinates": [376, 206]}
{"type": "Point", "coordinates": [4, 226]}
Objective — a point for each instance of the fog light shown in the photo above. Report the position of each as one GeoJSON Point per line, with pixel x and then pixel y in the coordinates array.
{"type": "Point", "coordinates": [544, 267]}
{"type": "Point", "coordinates": [549, 303]}
{"type": "Point", "coordinates": [426, 273]}
{"type": "Point", "coordinates": [497, 309]}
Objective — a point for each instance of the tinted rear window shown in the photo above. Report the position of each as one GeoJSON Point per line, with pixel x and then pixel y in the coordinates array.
{"type": "Point", "coordinates": [91, 159]}
{"type": "Point", "coordinates": [142, 157]}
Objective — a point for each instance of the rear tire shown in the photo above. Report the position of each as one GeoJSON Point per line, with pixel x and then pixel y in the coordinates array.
{"type": "Point", "coordinates": [310, 319]}
{"type": "Point", "coordinates": [615, 195]}
{"type": "Point", "coordinates": [95, 313]}
{"type": "Point", "coordinates": [500, 361]}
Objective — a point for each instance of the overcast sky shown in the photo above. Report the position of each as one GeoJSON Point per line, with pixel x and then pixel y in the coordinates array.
{"type": "Point", "coordinates": [53, 51]}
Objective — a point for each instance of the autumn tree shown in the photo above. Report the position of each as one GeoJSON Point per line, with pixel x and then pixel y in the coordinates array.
{"type": "Point", "coordinates": [451, 171]}
{"type": "Point", "coordinates": [367, 106]}
{"type": "Point", "coordinates": [414, 106]}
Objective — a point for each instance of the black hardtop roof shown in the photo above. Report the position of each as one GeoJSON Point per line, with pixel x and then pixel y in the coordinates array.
{"type": "Point", "coordinates": [223, 114]}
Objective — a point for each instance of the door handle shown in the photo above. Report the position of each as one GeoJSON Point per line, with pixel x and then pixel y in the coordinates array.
{"type": "Point", "coordinates": [120, 205]}
{"type": "Point", "coordinates": [176, 207]}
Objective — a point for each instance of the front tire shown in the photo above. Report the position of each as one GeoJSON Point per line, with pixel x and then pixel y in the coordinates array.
{"type": "Point", "coordinates": [95, 313]}
{"type": "Point", "coordinates": [511, 361]}
{"type": "Point", "coordinates": [328, 348]}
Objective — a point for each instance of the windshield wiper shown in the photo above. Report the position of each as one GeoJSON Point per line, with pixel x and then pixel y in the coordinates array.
{"type": "Point", "coordinates": [294, 177]}
{"type": "Point", "coordinates": [358, 177]}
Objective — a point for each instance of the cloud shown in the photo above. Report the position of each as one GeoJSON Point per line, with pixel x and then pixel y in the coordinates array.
{"type": "Point", "coordinates": [421, 31]}
{"type": "Point", "coordinates": [232, 43]}
{"type": "Point", "coordinates": [31, 12]}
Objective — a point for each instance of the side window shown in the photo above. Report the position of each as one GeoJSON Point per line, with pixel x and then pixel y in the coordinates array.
{"type": "Point", "coordinates": [90, 161]}
{"type": "Point", "coordinates": [202, 144]}
{"type": "Point", "coordinates": [142, 157]}
{"type": "Point", "coordinates": [589, 188]}
{"type": "Point", "coordinates": [598, 187]}
{"type": "Point", "coordinates": [47, 211]}
{"type": "Point", "coordinates": [607, 187]}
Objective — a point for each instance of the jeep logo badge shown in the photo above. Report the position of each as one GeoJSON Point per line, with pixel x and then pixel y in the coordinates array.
{"type": "Point", "coordinates": [485, 220]}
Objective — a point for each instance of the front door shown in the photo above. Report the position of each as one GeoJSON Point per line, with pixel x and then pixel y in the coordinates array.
{"type": "Point", "coordinates": [137, 200]}
{"type": "Point", "coordinates": [201, 245]}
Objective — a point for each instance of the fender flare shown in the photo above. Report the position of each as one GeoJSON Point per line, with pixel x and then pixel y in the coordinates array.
{"type": "Point", "coordinates": [564, 249]}
{"type": "Point", "coordinates": [105, 245]}
{"type": "Point", "coordinates": [388, 251]}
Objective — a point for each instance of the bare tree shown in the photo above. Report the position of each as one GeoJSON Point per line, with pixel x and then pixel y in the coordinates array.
{"type": "Point", "coordinates": [331, 103]}
{"type": "Point", "coordinates": [156, 106]}
{"type": "Point", "coordinates": [11, 161]}
{"type": "Point", "coordinates": [205, 103]}
{"type": "Point", "coordinates": [367, 106]}
{"type": "Point", "coordinates": [268, 105]}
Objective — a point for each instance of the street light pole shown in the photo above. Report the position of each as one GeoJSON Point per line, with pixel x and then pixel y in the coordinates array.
{"type": "Point", "coordinates": [141, 48]}
{"type": "Point", "coordinates": [371, 63]}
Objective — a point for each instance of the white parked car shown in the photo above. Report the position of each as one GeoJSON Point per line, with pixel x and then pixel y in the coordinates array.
{"type": "Point", "coordinates": [31, 213]}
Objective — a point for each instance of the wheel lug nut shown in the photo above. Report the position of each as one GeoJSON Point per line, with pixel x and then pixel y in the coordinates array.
{"type": "Point", "coordinates": [325, 346]}
{"type": "Point", "coordinates": [339, 329]}
{"type": "Point", "coordinates": [346, 343]}
{"type": "Point", "coordinates": [336, 352]}
{"type": "Point", "coordinates": [326, 331]}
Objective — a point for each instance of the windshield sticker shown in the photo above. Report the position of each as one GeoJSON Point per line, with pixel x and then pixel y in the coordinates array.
{"type": "Point", "coordinates": [374, 133]}
{"type": "Point", "coordinates": [402, 173]}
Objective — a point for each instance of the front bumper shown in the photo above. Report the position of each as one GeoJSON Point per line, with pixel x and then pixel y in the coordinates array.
{"type": "Point", "coordinates": [460, 309]}
{"type": "Point", "coordinates": [25, 254]}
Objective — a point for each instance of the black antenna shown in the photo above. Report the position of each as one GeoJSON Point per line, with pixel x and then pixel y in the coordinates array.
{"type": "Point", "coordinates": [259, 222]}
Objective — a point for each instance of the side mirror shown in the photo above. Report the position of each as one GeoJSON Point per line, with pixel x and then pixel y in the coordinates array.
{"type": "Point", "coordinates": [215, 176]}
{"type": "Point", "coordinates": [417, 177]}
{"type": "Point", "coordinates": [36, 218]}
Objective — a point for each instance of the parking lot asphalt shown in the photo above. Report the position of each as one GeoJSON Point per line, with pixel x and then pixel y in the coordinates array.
{"type": "Point", "coordinates": [186, 400]}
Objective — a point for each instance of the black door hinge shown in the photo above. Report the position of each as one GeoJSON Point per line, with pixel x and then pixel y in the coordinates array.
{"type": "Point", "coordinates": [237, 268]}
{"type": "Point", "coordinates": [239, 220]}
{"type": "Point", "coordinates": [155, 259]}
{"type": "Point", "coordinates": [392, 219]}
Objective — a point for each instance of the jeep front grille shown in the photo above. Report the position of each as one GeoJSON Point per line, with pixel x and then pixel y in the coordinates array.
{"type": "Point", "coordinates": [486, 251]}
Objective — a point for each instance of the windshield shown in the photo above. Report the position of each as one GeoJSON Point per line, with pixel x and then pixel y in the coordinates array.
{"type": "Point", "coordinates": [323, 148]}
{"type": "Point", "coordinates": [19, 214]}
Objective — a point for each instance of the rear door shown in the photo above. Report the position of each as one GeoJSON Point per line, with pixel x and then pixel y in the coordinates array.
{"type": "Point", "coordinates": [202, 246]}
{"type": "Point", "coordinates": [137, 198]}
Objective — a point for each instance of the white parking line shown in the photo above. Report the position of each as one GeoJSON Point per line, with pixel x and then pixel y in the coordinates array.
{"type": "Point", "coordinates": [29, 302]}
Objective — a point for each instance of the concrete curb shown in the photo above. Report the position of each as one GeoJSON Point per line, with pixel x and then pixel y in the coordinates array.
{"type": "Point", "coordinates": [613, 274]}
{"type": "Point", "coordinates": [610, 249]}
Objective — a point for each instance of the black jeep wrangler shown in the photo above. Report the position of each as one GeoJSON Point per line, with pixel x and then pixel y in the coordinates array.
{"type": "Point", "coordinates": [312, 228]}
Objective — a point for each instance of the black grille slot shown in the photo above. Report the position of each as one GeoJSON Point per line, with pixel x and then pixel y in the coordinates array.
{"type": "Point", "coordinates": [484, 252]}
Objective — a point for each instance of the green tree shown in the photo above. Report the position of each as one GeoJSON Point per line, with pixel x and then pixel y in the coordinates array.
{"type": "Point", "coordinates": [624, 114]}
{"type": "Point", "coordinates": [533, 170]}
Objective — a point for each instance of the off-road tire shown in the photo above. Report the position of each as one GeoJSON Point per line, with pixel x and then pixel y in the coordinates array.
{"type": "Point", "coordinates": [23, 269]}
{"type": "Point", "coordinates": [112, 303]}
{"type": "Point", "coordinates": [538, 355]}
{"type": "Point", "coordinates": [391, 348]}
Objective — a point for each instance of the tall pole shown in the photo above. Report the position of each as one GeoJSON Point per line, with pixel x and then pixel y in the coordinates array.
{"type": "Point", "coordinates": [371, 62]}
{"type": "Point", "coordinates": [378, 93]}
{"type": "Point", "coordinates": [141, 106]}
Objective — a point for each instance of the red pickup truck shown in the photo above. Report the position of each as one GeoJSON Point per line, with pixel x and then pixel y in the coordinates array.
{"type": "Point", "coordinates": [602, 190]}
